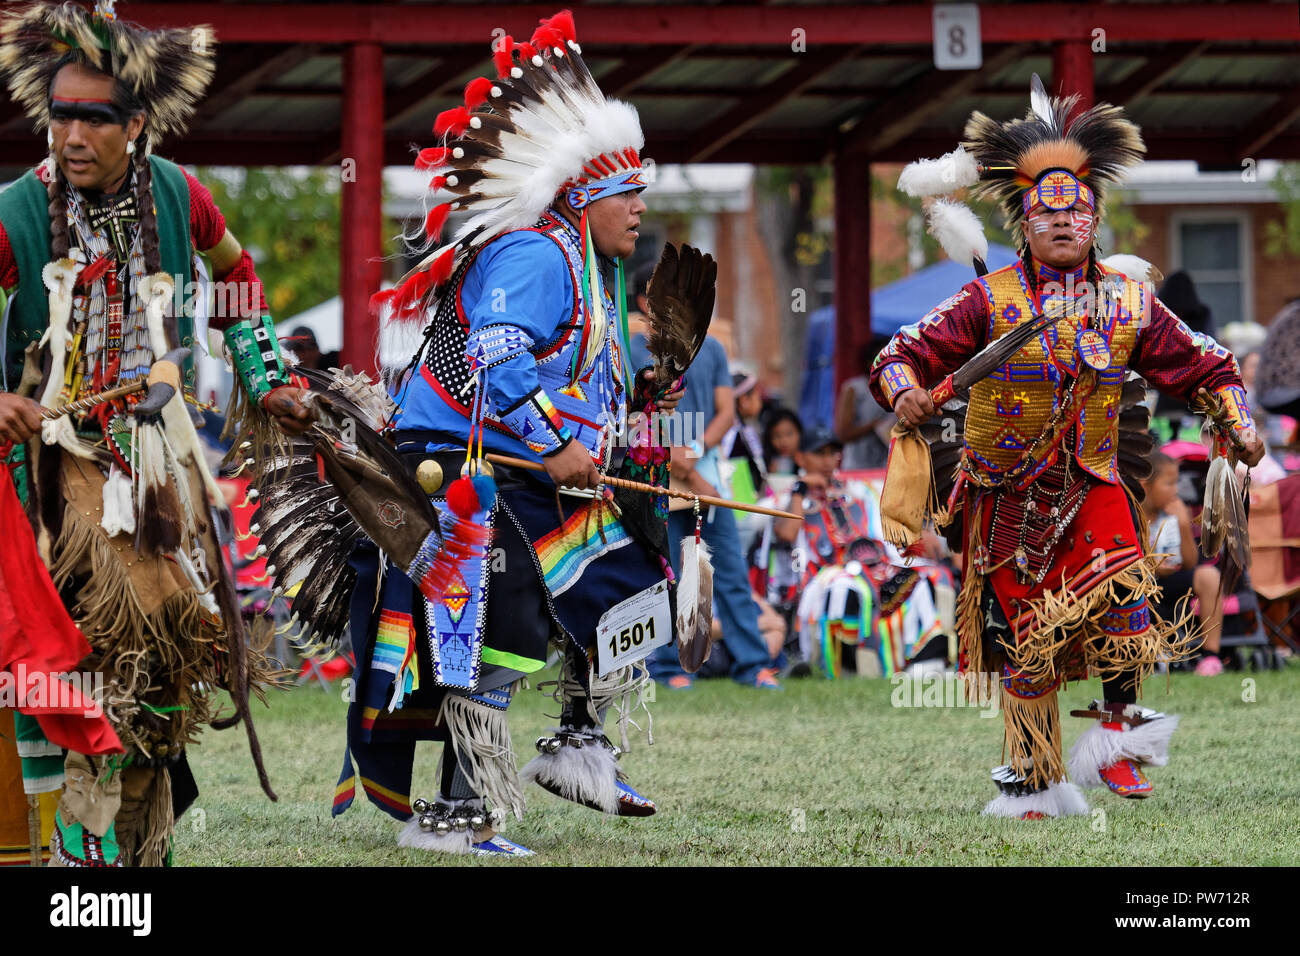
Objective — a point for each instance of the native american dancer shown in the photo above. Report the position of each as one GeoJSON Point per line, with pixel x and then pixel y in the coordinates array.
{"type": "Point", "coordinates": [509, 340]}
{"type": "Point", "coordinates": [97, 244]}
{"type": "Point", "coordinates": [1057, 580]}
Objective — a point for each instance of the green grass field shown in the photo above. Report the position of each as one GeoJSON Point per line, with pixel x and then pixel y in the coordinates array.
{"type": "Point", "coordinates": [820, 774]}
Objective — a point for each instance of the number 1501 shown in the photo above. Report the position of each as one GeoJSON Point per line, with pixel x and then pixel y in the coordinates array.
{"type": "Point", "coordinates": [631, 637]}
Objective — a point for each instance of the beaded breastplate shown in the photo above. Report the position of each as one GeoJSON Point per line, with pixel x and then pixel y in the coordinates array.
{"type": "Point", "coordinates": [1070, 375]}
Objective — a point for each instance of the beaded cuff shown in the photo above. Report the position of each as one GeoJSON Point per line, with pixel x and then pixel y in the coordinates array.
{"type": "Point", "coordinates": [256, 353]}
{"type": "Point", "coordinates": [1238, 405]}
{"type": "Point", "coordinates": [538, 424]}
{"type": "Point", "coordinates": [496, 344]}
{"type": "Point", "coordinates": [895, 378]}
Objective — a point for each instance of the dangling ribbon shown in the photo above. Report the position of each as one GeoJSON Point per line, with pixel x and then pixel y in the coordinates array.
{"type": "Point", "coordinates": [597, 321]}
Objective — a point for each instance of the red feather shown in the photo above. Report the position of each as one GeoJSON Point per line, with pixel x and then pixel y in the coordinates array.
{"type": "Point", "coordinates": [452, 122]}
{"type": "Point", "coordinates": [546, 37]}
{"type": "Point", "coordinates": [437, 183]}
{"type": "Point", "coordinates": [563, 22]}
{"type": "Point", "coordinates": [526, 51]}
{"type": "Point", "coordinates": [477, 92]}
{"type": "Point", "coordinates": [432, 157]}
{"type": "Point", "coordinates": [462, 541]}
{"type": "Point", "coordinates": [436, 219]}
{"type": "Point", "coordinates": [501, 55]}
{"type": "Point", "coordinates": [440, 271]}
{"type": "Point", "coordinates": [94, 271]}
{"type": "Point", "coordinates": [381, 299]}
{"type": "Point", "coordinates": [462, 498]}
{"type": "Point", "coordinates": [423, 282]}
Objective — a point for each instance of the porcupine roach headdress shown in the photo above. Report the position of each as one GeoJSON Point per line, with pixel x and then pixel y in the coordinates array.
{"type": "Point", "coordinates": [166, 69]}
{"type": "Point", "coordinates": [1047, 158]}
{"type": "Point", "coordinates": [542, 126]}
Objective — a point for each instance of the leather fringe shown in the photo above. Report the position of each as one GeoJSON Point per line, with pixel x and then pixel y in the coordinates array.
{"type": "Point", "coordinates": [481, 736]}
{"type": "Point", "coordinates": [1033, 737]}
{"type": "Point", "coordinates": [1062, 619]}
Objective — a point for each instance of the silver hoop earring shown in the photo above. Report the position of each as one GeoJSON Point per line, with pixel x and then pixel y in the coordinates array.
{"type": "Point", "coordinates": [130, 147]}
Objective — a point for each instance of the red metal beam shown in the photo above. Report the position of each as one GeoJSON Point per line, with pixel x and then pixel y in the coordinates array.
{"type": "Point", "coordinates": [21, 149]}
{"type": "Point", "coordinates": [1072, 72]}
{"type": "Point", "coordinates": [852, 263]}
{"type": "Point", "coordinates": [739, 25]}
{"type": "Point", "coordinates": [362, 223]}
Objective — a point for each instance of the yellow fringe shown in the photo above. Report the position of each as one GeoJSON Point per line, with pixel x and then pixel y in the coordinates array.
{"type": "Point", "coordinates": [1062, 618]}
{"type": "Point", "coordinates": [1033, 731]}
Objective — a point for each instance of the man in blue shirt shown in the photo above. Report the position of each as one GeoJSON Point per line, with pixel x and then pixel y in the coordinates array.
{"type": "Point", "coordinates": [522, 348]}
{"type": "Point", "coordinates": [705, 414]}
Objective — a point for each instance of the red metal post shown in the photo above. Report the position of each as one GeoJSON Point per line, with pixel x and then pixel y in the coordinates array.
{"type": "Point", "coordinates": [1072, 70]}
{"type": "Point", "coordinates": [361, 269]}
{"type": "Point", "coordinates": [852, 263]}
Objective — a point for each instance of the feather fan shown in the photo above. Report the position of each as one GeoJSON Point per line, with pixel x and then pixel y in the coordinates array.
{"type": "Point", "coordinates": [681, 296]}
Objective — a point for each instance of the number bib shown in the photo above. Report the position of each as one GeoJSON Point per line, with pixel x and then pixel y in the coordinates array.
{"type": "Point", "coordinates": [631, 629]}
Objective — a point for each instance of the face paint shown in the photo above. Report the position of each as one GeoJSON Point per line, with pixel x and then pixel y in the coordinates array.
{"type": "Point", "coordinates": [1081, 223]}
{"type": "Point", "coordinates": [1040, 223]}
{"type": "Point", "coordinates": [69, 110]}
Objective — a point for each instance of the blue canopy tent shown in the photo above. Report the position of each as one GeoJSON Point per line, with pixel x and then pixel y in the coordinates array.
{"type": "Point", "coordinates": [892, 307]}
{"type": "Point", "coordinates": [905, 301]}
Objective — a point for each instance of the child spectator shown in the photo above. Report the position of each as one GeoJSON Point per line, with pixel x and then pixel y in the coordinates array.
{"type": "Point", "coordinates": [860, 421]}
{"type": "Point", "coordinates": [1171, 534]}
{"type": "Point", "coordinates": [841, 528]}
{"type": "Point", "coordinates": [781, 442]}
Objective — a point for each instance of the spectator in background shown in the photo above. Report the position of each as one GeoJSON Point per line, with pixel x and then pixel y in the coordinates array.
{"type": "Point", "coordinates": [860, 421]}
{"type": "Point", "coordinates": [302, 342]}
{"type": "Point", "coordinates": [841, 524]}
{"type": "Point", "coordinates": [1170, 527]}
{"type": "Point", "coordinates": [742, 449]}
{"type": "Point", "coordinates": [1178, 293]}
{"type": "Point", "coordinates": [707, 412]}
{"type": "Point", "coordinates": [742, 443]}
{"type": "Point", "coordinates": [781, 442]}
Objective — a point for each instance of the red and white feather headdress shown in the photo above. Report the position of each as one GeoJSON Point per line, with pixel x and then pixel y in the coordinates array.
{"type": "Point", "coordinates": [542, 127]}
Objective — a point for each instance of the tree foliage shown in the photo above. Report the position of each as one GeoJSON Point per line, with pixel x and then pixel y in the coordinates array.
{"type": "Point", "coordinates": [288, 220]}
{"type": "Point", "coordinates": [1282, 237]}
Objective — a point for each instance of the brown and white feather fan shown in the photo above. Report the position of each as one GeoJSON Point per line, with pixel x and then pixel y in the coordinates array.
{"type": "Point", "coordinates": [681, 296]}
{"type": "Point", "coordinates": [1223, 522]}
{"type": "Point", "coordinates": [694, 605]}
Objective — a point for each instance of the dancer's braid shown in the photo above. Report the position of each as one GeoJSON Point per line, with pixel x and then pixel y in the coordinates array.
{"type": "Point", "coordinates": [148, 217]}
{"type": "Point", "coordinates": [58, 209]}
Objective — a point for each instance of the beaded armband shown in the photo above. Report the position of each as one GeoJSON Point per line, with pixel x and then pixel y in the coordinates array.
{"type": "Point", "coordinates": [895, 378]}
{"type": "Point", "coordinates": [1237, 404]}
{"type": "Point", "coordinates": [538, 424]}
{"type": "Point", "coordinates": [256, 354]}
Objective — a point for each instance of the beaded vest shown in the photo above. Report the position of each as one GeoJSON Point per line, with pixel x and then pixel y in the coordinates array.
{"type": "Point", "coordinates": [1071, 374]}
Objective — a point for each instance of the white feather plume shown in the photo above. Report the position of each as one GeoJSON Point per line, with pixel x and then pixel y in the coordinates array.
{"type": "Point", "coordinates": [1134, 267]}
{"type": "Point", "coordinates": [1040, 102]}
{"type": "Point", "coordinates": [958, 230]}
{"type": "Point", "coordinates": [938, 177]}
